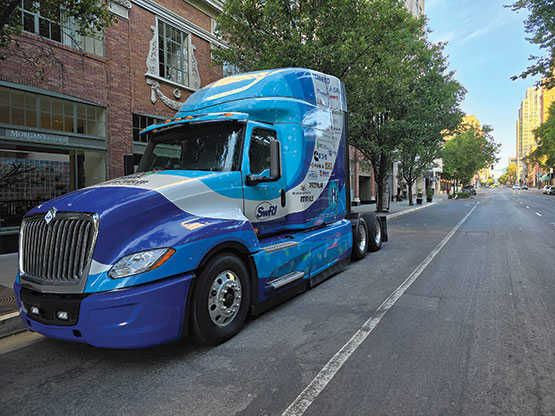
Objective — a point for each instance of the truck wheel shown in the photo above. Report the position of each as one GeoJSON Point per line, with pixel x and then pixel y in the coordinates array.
{"type": "Point", "coordinates": [360, 240]}
{"type": "Point", "coordinates": [374, 232]}
{"type": "Point", "coordinates": [221, 300]}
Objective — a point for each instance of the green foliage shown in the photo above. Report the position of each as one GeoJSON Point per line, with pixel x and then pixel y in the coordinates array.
{"type": "Point", "coordinates": [505, 179]}
{"type": "Point", "coordinates": [462, 195]}
{"type": "Point", "coordinates": [467, 153]}
{"type": "Point", "coordinates": [377, 48]}
{"type": "Point", "coordinates": [432, 109]}
{"type": "Point", "coordinates": [90, 16]}
{"type": "Point", "coordinates": [490, 182]}
{"type": "Point", "coordinates": [325, 35]}
{"type": "Point", "coordinates": [544, 154]}
{"type": "Point", "coordinates": [540, 26]}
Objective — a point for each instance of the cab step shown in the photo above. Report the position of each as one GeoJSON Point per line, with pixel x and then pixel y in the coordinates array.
{"type": "Point", "coordinates": [285, 280]}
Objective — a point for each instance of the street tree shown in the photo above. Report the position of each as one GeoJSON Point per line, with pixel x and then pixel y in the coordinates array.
{"type": "Point", "coordinates": [467, 153]}
{"type": "Point", "coordinates": [381, 91]}
{"type": "Point", "coordinates": [433, 108]}
{"type": "Point", "coordinates": [544, 154]}
{"type": "Point", "coordinates": [540, 26]}
{"type": "Point", "coordinates": [511, 172]}
{"type": "Point", "coordinates": [89, 16]}
{"type": "Point", "coordinates": [372, 46]}
{"type": "Point", "coordinates": [504, 179]}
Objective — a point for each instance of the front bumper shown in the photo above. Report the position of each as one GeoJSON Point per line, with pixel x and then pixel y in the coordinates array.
{"type": "Point", "coordinates": [136, 317]}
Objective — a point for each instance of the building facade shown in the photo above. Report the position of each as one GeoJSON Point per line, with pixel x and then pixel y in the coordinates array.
{"type": "Point", "coordinates": [71, 106]}
{"type": "Point", "coordinates": [533, 111]}
{"type": "Point", "coordinates": [416, 7]}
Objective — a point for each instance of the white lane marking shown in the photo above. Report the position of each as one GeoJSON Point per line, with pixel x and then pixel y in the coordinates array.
{"type": "Point", "coordinates": [8, 316]}
{"type": "Point", "coordinates": [18, 341]}
{"type": "Point", "coordinates": [538, 214]}
{"type": "Point", "coordinates": [326, 374]}
{"type": "Point", "coordinates": [527, 206]}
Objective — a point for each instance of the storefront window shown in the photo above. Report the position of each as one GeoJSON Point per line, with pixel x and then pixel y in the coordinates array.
{"type": "Point", "coordinates": [21, 108]}
{"type": "Point", "coordinates": [28, 178]}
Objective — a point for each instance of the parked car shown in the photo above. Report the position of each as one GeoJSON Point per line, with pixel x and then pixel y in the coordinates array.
{"type": "Point", "coordinates": [546, 189]}
{"type": "Point", "coordinates": [516, 187]}
{"type": "Point", "coordinates": [470, 189]}
{"type": "Point", "coordinates": [524, 187]}
{"type": "Point", "coordinates": [551, 190]}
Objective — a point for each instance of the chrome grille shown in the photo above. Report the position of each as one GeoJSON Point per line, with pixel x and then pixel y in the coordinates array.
{"type": "Point", "coordinates": [58, 252]}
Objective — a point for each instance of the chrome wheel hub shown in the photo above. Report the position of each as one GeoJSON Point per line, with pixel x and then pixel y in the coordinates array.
{"type": "Point", "coordinates": [224, 298]}
{"type": "Point", "coordinates": [378, 236]}
{"type": "Point", "coordinates": [362, 238]}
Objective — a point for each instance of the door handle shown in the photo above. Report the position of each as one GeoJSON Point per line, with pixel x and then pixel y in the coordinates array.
{"type": "Point", "coordinates": [283, 201]}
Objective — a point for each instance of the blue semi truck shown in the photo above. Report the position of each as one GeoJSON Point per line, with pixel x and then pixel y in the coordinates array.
{"type": "Point", "coordinates": [241, 201]}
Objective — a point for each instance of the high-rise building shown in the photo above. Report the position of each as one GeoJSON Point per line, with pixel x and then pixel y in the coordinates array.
{"type": "Point", "coordinates": [416, 7]}
{"type": "Point", "coordinates": [529, 118]}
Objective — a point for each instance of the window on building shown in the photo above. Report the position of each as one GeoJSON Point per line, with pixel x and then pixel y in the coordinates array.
{"type": "Point", "coordinates": [21, 108]}
{"type": "Point", "coordinates": [43, 20]}
{"type": "Point", "coordinates": [141, 122]}
{"type": "Point", "coordinates": [229, 69]}
{"type": "Point", "coordinates": [173, 55]}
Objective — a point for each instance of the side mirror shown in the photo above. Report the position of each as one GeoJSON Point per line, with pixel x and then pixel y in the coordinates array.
{"type": "Point", "coordinates": [275, 167]}
{"type": "Point", "coordinates": [128, 164]}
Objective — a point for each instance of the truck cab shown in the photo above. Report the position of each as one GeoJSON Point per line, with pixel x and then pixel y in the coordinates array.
{"type": "Point", "coordinates": [239, 202]}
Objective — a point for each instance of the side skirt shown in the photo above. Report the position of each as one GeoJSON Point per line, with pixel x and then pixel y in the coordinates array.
{"type": "Point", "coordinates": [299, 288]}
{"type": "Point", "coordinates": [329, 272]}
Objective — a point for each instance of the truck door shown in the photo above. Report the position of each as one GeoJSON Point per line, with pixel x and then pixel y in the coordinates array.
{"type": "Point", "coordinates": [264, 203]}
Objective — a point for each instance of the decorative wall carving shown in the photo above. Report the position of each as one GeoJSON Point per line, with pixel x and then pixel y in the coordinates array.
{"type": "Point", "coordinates": [155, 91]}
{"type": "Point", "coordinates": [195, 76]}
{"type": "Point", "coordinates": [153, 72]}
{"type": "Point", "coordinates": [152, 67]}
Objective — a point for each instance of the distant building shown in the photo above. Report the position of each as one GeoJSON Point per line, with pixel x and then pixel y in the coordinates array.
{"type": "Point", "coordinates": [416, 7]}
{"type": "Point", "coordinates": [529, 119]}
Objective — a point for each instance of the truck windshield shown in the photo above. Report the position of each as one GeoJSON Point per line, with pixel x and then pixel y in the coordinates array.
{"type": "Point", "coordinates": [214, 147]}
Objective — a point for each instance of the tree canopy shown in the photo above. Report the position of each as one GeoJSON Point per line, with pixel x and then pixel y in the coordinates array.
{"type": "Point", "coordinates": [540, 26]}
{"type": "Point", "coordinates": [544, 154]}
{"type": "Point", "coordinates": [467, 153]}
{"type": "Point", "coordinates": [377, 48]}
{"type": "Point", "coordinates": [434, 109]}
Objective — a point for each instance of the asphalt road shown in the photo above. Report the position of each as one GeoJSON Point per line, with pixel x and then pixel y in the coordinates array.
{"type": "Point", "coordinates": [471, 333]}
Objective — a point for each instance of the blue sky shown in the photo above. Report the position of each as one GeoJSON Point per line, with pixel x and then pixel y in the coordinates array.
{"type": "Point", "coordinates": [486, 45]}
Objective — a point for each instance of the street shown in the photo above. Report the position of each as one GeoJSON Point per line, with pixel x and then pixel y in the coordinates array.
{"type": "Point", "coordinates": [471, 332]}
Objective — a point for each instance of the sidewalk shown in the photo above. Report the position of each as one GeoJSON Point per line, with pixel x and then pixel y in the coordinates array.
{"type": "Point", "coordinates": [10, 323]}
{"type": "Point", "coordinates": [400, 208]}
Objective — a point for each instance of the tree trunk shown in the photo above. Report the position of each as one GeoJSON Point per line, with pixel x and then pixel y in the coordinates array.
{"type": "Point", "coordinates": [410, 194]}
{"type": "Point", "coordinates": [379, 164]}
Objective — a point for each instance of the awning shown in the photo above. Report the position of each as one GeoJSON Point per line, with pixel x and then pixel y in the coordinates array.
{"type": "Point", "coordinates": [545, 178]}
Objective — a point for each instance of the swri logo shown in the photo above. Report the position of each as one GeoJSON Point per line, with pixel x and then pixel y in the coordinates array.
{"type": "Point", "coordinates": [265, 210]}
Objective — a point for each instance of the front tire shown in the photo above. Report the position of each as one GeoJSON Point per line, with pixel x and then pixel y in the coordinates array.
{"type": "Point", "coordinates": [221, 299]}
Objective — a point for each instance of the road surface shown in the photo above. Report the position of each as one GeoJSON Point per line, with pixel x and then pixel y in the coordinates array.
{"type": "Point", "coordinates": [471, 332]}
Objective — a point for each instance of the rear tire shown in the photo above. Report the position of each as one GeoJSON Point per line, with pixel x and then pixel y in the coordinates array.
{"type": "Point", "coordinates": [360, 240]}
{"type": "Point", "coordinates": [375, 240]}
{"type": "Point", "coordinates": [221, 300]}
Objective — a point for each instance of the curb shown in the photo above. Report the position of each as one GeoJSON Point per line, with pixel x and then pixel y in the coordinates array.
{"type": "Point", "coordinates": [397, 214]}
{"type": "Point", "coordinates": [11, 324]}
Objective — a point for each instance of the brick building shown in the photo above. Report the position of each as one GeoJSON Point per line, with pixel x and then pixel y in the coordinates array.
{"type": "Point", "coordinates": [71, 106]}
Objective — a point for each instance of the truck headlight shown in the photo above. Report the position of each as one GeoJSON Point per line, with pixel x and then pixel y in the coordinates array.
{"type": "Point", "coordinates": [140, 262]}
